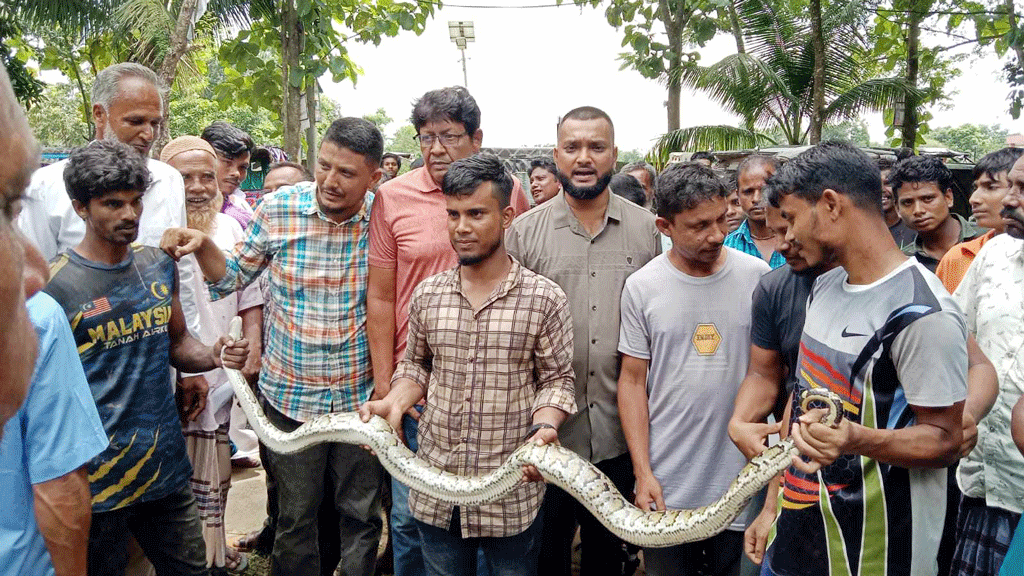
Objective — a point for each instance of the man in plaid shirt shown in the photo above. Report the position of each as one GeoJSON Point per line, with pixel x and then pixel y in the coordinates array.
{"type": "Point", "coordinates": [490, 346]}
{"type": "Point", "coordinates": [313, 241]}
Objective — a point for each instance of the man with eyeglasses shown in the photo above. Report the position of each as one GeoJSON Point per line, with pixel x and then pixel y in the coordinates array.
{"type": "Point", "coordinates": [409, 242]}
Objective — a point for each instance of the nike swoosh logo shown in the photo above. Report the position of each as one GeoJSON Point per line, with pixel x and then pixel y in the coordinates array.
{"type": "Point", "coordinates": [846, 334]}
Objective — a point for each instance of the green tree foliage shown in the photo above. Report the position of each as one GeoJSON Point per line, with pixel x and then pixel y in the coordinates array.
{"type": "Point", "coordinates": [404, 140]}
{"type": "Point", "coordinates": [380, 119]}
{"type": "Point", "coordinates": [770, 85]}
{"type": "Point", "coordinates": [286, 49]}
{"type": "Point", "coordinates": [14, 55]}
{"type": "Point", "coordinates": [56, 120]}
{"type": "Point", "coordinates": [974, 139]}
{"type": "Point", "coordinates": [855, 131]}
{"type": "Point", "coordinates": [656, 32]}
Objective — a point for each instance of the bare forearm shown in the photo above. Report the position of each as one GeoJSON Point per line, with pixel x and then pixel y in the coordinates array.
{"type": "Point", "coordinates": [252, 330]}
{"type": "Point", "coordinates": [211, 260]}
{"type": "Point", "coordinates": [756, 398]}
{"type": "Point", "coordinates": [191, 355]}
{"type": "Point", "coordinates": [405, 393]}
{"type": "Point", "coordinates": [982, 382]}
{"type": "Point", "coordinates": [549, 415]}
{"type": "Point", "coordinates": [635, 415]}
{"type": "Point", "coordinates": [380, 334]}
{"type": "Point", "coordinates": [63, 510]}
{"type": "Point", "coordinates": [1017, 424]}
{"type": "Point", "coordinates": [922, 445]}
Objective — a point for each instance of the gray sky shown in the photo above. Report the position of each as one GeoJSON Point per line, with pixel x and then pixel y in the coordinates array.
{"type": "Point", "coordinates": [528, 66]}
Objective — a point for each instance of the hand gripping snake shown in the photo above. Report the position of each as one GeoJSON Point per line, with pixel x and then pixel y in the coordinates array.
{"type": "Point", "coordinates": [558, 465]}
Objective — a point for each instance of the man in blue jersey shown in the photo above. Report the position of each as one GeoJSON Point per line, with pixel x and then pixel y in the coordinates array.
{"type": "Point", "coordinates": [883, 334]}
{"type": "Point", "coordinates": [122, 303]}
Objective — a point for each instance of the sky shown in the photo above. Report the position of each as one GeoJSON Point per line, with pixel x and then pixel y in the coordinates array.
{"type": "Point", "coordinates": [529, 66]}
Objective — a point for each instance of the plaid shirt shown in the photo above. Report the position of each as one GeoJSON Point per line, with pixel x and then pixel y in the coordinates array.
{"type": "Point", "coordinates": [741, 240]}
{"type": "Point", "coordinates": [316, 359]}
{"type": "Point", "coordinates": [485, 373]}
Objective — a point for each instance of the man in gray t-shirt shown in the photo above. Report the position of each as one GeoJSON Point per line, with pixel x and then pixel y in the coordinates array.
{"type": "Point", "coordinates": [685, 343]}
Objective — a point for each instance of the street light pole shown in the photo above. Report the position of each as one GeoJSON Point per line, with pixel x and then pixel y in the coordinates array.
{"type": "Point", "coordinates": [461, 32]}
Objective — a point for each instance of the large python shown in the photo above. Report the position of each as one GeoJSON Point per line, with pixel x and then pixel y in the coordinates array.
{"type": "Point", "coordinates": [558, 465]}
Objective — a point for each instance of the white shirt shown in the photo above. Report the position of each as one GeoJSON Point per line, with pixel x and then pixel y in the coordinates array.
{"type": "Point", "coordinates": [214, 320]}
{"type": "Point", "coordinates": [992, 298]}
{"type": "Point", "coordinates": [51, 223]}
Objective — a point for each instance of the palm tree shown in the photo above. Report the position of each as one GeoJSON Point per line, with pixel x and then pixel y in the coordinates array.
{"type": "Point", "coordinates": [771, 84]}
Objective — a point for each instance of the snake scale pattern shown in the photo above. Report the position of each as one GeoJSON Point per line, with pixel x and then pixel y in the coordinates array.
{"type": "Point", "coordinates": [559, 466]}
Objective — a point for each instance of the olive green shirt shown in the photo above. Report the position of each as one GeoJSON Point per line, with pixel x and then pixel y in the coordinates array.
{"type": "Point", "coordinates": [591, 271]}
{"type": "Point", "coordinates": [968, 231]}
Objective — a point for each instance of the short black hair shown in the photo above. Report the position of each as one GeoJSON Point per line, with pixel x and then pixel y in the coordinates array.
{"type": "Point", "coordinates": [587, 113]}
{"type": "Point", "coordinates": [833, 165]}
{"type": "Point", "coordinates": [682, 187]}
{"type": "Point", "coordinates": [359, 136]}
{"type": "Point", "coordinates": [287, 164]}
{"type": "Point", "coordinates": [454, 104]}
{"type": "Point", "coordinates": [995, 163]}
{"type": "Point", "coordinates": [228, 140]}
{"type": "Point", "coordinates": [702, 155]}
{"type": "Point", "coordinates": [920, 169]}
{"type": "Point", "coordinates": [466, 175]}
{"type": "Point", "coordinates": [396, 157]}
{"type": "Point", "coordinates": [102, 167]}
{"type": "Point", "coordinates": [758, 160]}
{"type": "Point", "coordinates": [544, 163]}
{"type": "Point", "coordinates": [627, 186]}
{"type": "Point", "coordinates": [886, 162]}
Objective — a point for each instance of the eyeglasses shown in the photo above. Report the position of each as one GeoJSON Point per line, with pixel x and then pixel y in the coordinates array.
{"type": "Point", "coordinates": [427, 140]}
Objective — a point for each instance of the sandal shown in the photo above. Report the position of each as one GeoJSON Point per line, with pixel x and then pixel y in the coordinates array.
{"type": "Point", "coordinates": [255, 541]}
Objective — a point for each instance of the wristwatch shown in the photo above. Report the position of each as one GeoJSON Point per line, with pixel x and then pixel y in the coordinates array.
{"type": "Point", "coordinates": [536, 428]}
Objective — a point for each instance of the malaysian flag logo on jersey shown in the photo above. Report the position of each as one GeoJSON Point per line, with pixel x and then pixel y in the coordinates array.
{"type": "Point", "coordinates": [96, 307]}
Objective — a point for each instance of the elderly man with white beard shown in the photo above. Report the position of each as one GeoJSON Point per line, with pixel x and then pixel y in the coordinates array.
{"type": "Point", "coordinates": [206, 437]}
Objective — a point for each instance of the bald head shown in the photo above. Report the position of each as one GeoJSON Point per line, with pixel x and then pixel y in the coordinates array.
{"type": "Point", "coordinates": [22, 269]}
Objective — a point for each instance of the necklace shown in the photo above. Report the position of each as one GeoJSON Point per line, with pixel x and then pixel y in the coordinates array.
{"type": "Point", "coordinates": [768, 237]}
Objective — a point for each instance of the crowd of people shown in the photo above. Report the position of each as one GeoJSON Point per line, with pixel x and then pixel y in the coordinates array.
{"type": "Point", "coordinates": [660, 326]}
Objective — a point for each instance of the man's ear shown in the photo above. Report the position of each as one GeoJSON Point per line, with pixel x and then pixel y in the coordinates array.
{"type": "Point", "coordinates": [664, 226]}
{"type": "Point", "coordinates": [478, 139]}
{"type": "Point", "coordinates": [833, 203]}
{"type": "Point", "coordinates": [949, 197]}
{"type": "Point", "coordinates": [99, 118]}
{"type": "Point", "coordinates": [508, 214]}
{"type": "Point", "coordinates": [81, 209]}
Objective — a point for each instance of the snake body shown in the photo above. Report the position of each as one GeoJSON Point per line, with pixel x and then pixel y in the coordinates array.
{"type": "Point", "coordinates": [558, 465]}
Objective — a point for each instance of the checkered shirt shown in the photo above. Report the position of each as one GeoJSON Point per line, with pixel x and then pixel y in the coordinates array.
{"type": "Point", "coordinates": [316, 359]}
{"type": "Point", "coordinates": [485, 373]}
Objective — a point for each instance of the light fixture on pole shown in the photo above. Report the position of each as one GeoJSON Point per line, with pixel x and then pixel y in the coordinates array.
{"type": "Point", "coordinates": [461, 32]}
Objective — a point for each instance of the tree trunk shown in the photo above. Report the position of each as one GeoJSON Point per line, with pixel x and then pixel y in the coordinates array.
{"type": "Point", "coordinates": [311, 144]}
{"type": "Point", "coordinates": [290, 95]}
{"type": "Point", "coordinates": [674, 30]}
{"type": "Point", "coordinates": [176, 49]}
{"type": "Point", "coordinates": [909, 128]}
{"type": "Point", "coordinates": [818, 79]}
{"type": "Point", "coordinates": [737, 30]}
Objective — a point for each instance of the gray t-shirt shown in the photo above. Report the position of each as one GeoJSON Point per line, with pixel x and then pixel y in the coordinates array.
{"type": "Point", "coordinates": [695, 331]}
{"type": "Point", "coordinates": [884, 347]}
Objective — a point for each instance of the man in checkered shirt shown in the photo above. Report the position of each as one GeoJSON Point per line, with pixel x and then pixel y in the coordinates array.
{"type": "Point", "coordinates": [312, 238]}
{"type": "Point", "coordinates": [490, 346]}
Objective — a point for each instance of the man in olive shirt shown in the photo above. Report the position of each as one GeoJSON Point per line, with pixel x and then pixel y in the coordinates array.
{"type": "Point", "coordinates": [588, 241]}
{"type": "Point", "coordinates": [923, 187]}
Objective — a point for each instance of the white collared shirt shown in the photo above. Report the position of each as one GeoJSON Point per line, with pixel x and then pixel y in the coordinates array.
{"type": "Point", "coordinates": [992, 298]}
{"type": "Point", "coordinates": [50, 222]}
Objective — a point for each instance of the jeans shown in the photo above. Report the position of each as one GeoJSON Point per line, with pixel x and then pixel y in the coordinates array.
{"type": "Point", "coordinates": [405, 535]}
{"type": "Point", "coordinates": [447, 553]}
{"type": "Point", "coordinates": [327, 518]}
{"type": "Point", "coordinates": [167, 529]}
{"type": "Point", "coordinates": [715, 556]}
{"type": "Point", "coordinates": [347, 475]}
{"type": "Point", "coordinates": [603, 554]}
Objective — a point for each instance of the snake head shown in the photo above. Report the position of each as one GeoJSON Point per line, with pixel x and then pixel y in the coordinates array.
{"type": "Point", "coordinates": [832, 402]}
